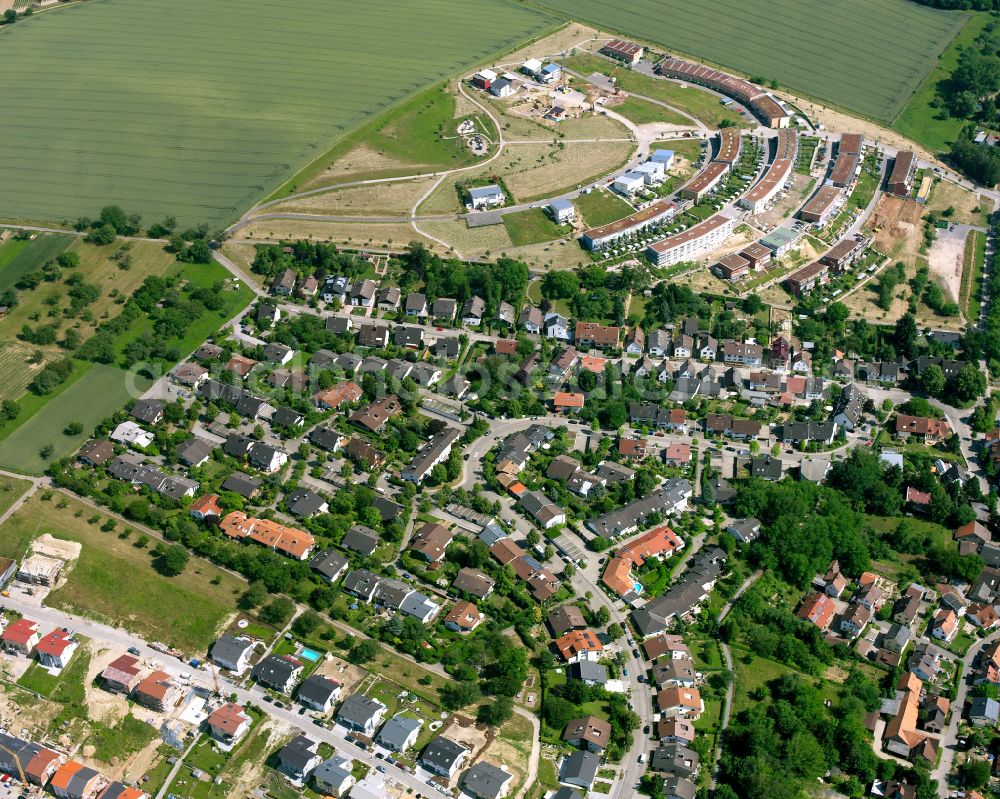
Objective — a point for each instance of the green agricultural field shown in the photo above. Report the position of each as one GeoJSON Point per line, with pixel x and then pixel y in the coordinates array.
{"type": "Point", "coordinates": [114, 581]}
{"type": "Point", "coordinates": [199, 109]}
{"type": "Point", "coordinates": [30, 256]}
{"type": "Point", "coordinates": [532, 226]}
{"type": "Point", "coordinates": [17, 369]}
{"type": "Point", "coordinates": [868, 56]}
{"type": "Point", "coordinates": [602, 207]}
{"type": "Point", "coordinates": [91, 394]}
{"type": "Point", "coordinates": [9, 250]}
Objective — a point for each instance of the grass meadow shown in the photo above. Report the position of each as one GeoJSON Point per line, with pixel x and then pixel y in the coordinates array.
{"type": "Point", "coordinates": [532, 226]}
{"type": "Point", "coordinates": [867, 56]}
{"type": "Point", "coordinates": [602, 207]}
{"type": "Point", "coordinates": [923, 123]}
{"type": "Point", "coordinates": [92, 393]}
{"type": "Point", "coordinates": [198, 109]}
{"type": "Point", "coordinates": [112, 573]}
{"type": "Point", "coordinates": [18, 257]}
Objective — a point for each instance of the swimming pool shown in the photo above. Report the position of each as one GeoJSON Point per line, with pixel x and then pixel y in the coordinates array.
{"type": "Point", "coordinates": [637, 587]}
{"type": "Point", "coordinates": [309, 654]}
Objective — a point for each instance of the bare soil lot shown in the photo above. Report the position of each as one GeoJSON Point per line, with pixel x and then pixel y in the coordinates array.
{"type": "Point", "coordinates": [946, 258]}
{"type": "Point", "coordinates": [351, 234]}
{"type": "Point", "coordinates": [375, 199]}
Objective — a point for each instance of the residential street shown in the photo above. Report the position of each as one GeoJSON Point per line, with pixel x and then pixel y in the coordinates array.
{"type": "Point", "coordinates": [949, 735]}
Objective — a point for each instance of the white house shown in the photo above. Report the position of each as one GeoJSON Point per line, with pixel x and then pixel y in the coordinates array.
{"type": "Point", "coordinates": [502, 88]}
{"type": "Point", "coordinates": [232, 653]}
{"type": "Point", "coordinates": [629, 183]}
{"type": "Point", "coordinates": [557, 327]}
{"type": "Point", "coordinates": [550, 73]}
{"type": "Point", "coordinates": [652, 172]}
{"type": "Point", "coordinates": [481, 197]}
{"type": "Point", "coordinates": [399, 733]}
{"type": "Point", "coordinates": [131, 434]}
{"type": "Point", "coordinates": [665, 157]}
{"type": "Point", "coordinates": [334, 776]}
{"type": "Point", "coordinates": [562, 211]}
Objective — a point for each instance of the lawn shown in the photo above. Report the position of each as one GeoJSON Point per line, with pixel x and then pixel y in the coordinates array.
{"type": "Point", "coordinates": [532, 226]}
{"type": "Point", "coordinates": [114, 582]}
{"type": "Point", "coordinates": [29, 256]}
{"type": "Point", "coordinates": [642, 111]}
{"type": "Point", "coordinates": [92, 393]}
{"type": "Point", "coordinates": [38, 679]}
{"type": "Point", "coordinates": [119, 740]}
{"type": "Point", "coordinates": [918, 120]}
{"type": "Point", "coordinates": [700, 104]}
{"type": "Point", "coordinates": [836, 52]}
{"type": "Point", "coordinates": [601, 207]}
{"type": "Point", "coordinates": [11, 490]}
{"type": "Point", "coordinates": [972, 275]}
{"type": "Point", "coordinates": [199, 109]}
{"type": "Point", "coordinates": [67, 689]}
{"type": "Point", "coordinates": [419, 135]}
{"type": "Point", "coordinates": [758, 673]}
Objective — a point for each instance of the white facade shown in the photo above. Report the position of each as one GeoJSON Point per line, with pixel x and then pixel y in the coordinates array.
{"type": "Point", "coordinates": [693, 242]}
{"type": "Point", "coordinates": [629, 183]}
{"type": "Point", "coordinates": [651, 171]}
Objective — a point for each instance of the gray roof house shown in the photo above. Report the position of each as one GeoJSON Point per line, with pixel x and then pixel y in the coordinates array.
{"type": "Point", "coordinates": [305, 503]}
{"type": "Point", "coordinates": [360, 539]}
{"type": "Point", "coordinates": [675, 787]}
{"type": "Point", "coordinates": [399, 733]}
{"type": "Point", "coordinates": [298, 757]}
{"type": "Point", "coordinates": [444, 308]}
{"type": "Point", "coordinates": [897, 639]}
{"type": "Point", "coordinates": [148, 411]}
{"type": "Point", "coordinates": [329, 565]}
{"type": "Point", "coordinates": [589, 672]}
{"type": "Point", "coordinates": [984, 711]}
{"type": "Point", "coordinates": [443, 757]}
{"type": "Point", "coordinates": [361, 714]}
{"type": "Point", "coordinates": [675, 758]}
{"type": "Point", "coordinates": [319, 693]}
{"type": "Point", "coordinates": [744, 530]}
{"type": "Point", "coordinates": [232, 653]}
{"type": "Point", "coordinates": [419, 606]}
{"type": "Point", "coordinates": [473, 310]}
{"type": "Point", "coordinates": [416, 304]}
{"type": "Point", "coordinates": [362, 584]}
{"type": "Point", "coordinates": [279, 672]}
{"type": "Point", "coordinates": [486, 781]}
{"type": "Point", "coordinates": [334, 776]}
{"type": "Point", "coordinates": [243, 484]}
{"type": "Point", "coordinates": [579, 769]}
{"type": "Point", "coordinates": [195, 451]}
